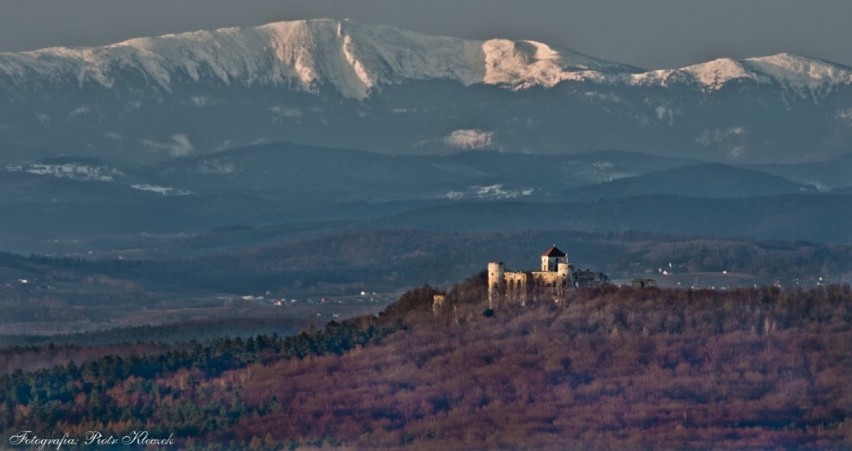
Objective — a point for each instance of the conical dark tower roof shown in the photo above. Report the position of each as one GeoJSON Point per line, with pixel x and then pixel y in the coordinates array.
{"type": "Point", "coordinates": [553, 252]}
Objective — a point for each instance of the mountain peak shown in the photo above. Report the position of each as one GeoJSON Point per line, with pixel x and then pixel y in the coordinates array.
{"type": "Point", "coordinates": [716, 73]}
{"type": "Point", "coordinates": [800, 72]}
{"type": "Point", "coordinates": [807, 76]}
{"type": "Point", "coordinates": [525, 64]}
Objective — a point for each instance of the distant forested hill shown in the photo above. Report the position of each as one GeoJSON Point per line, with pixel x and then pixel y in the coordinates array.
{"type": "Point", "coordinates": [606, 367]}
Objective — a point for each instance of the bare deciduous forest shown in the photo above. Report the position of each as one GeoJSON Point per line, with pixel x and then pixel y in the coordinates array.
{"type": "Point", "coordinates": [599, 367]}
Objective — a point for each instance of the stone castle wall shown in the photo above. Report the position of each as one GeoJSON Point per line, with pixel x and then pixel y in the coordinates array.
{"type": "Point", "coordinates": [514, 286]}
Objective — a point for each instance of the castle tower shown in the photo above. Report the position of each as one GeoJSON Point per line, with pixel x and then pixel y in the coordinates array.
{"type": "Point", "coordinates": [551, 259]}
{"type": "Point", "coordinates": [496, 281]}
{"type": "Point", "coordinates": [564, 274]}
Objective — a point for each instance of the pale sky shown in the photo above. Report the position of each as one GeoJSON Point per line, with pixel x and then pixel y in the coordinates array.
{"type": "Point", "coordinates": [646, 33]}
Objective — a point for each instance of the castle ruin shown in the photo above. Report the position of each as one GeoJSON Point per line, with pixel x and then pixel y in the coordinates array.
{"type": "Point", "coordinates": [556, 274]}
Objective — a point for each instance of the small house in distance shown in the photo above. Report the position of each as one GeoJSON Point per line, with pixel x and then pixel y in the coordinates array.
{"type": "Point", "coordinates": [556, 274]}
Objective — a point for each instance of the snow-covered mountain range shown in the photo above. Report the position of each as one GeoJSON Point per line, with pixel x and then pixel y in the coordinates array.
{"type": "Point", "coordinates": [345, 84]}
{"type": "Point", "coordinates": [352, 58]}
{"type": "Point", "coordinates": [355, 59]}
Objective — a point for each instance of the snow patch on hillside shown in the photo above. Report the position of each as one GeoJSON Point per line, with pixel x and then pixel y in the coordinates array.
{"type": "Point", "coordinates": [473, 139]}
{"type": "Point", "coordinates": [163, 190]}
{"type": "Point", "coordinates": [177, 145]}
{"type": "Point", "coordinates": [217, 166]}
{"type": "Point", "coordinates": [496, 191]}
{"type": "Point", "coordinates": [710, 137]}
{"type": "Point", "coordinates": [72, 171]}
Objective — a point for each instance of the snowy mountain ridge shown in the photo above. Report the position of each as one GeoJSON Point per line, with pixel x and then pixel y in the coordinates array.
{"type": "Point", "coordinates": [351, 57]}
{"type": "Point", "coordinates": [791, 71]}
{"type": "Point", "coordinates": [356, 59]}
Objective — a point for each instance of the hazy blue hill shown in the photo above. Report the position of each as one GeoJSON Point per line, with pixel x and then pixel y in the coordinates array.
{"type": "Point", "coordinates": [553, 171]}
{"type": "Point", "coordinates": [813, 217]}
{"type": "Point", "coordinates": [291, 185]}
{"type": "Point", "coordinates": [287, 169]}
{"type": "Point", "coordinates": [708, 180]}
{"type": "Point", "coordinates": [17, 187]}
{"type": "Point", "coordinates": [42, 209]}
{"type": "Point", "coordinates": [296, 172]}
{"type": "Point", "coordinates": [828, 174]}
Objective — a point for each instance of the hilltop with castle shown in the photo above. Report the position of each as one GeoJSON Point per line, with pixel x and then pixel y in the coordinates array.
{"type": "Point", "coordinates": [555, 275]}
